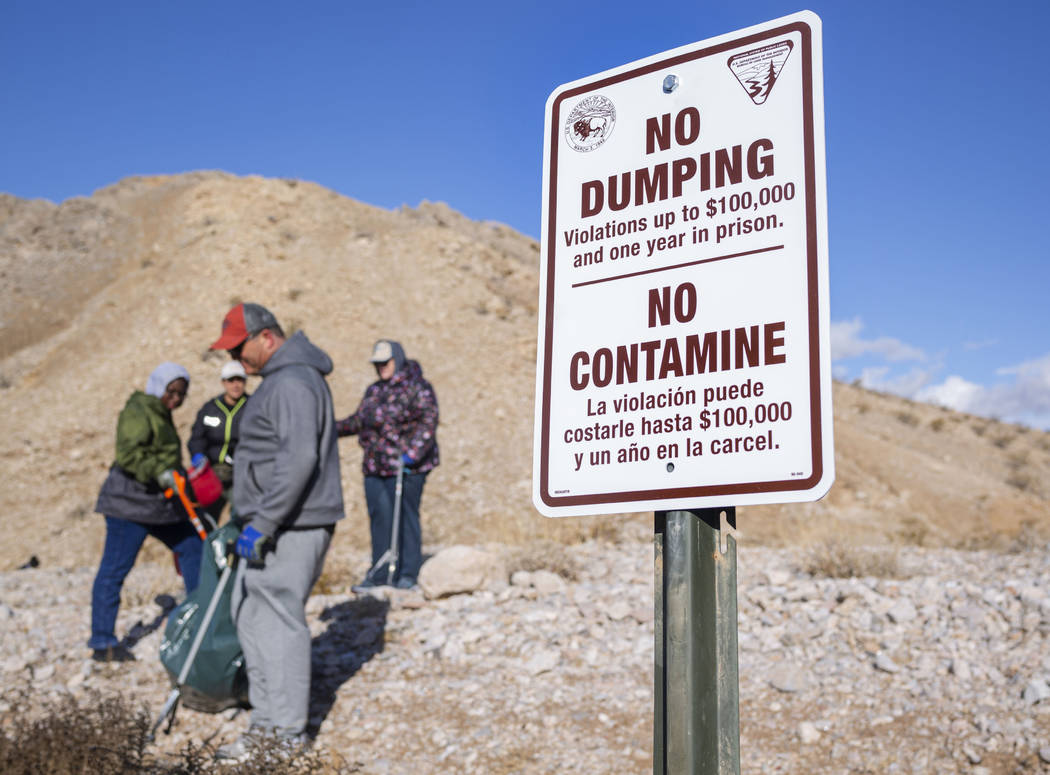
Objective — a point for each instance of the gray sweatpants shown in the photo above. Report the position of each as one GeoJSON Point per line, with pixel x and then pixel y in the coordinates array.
{"type": "Point", "coordinates": [269, 610]}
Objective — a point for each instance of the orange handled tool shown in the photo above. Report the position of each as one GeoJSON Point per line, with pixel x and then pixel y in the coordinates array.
{"type": "Point", "coordinates": [180, 488]}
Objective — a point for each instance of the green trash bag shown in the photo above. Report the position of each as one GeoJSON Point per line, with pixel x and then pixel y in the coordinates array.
{"type": "Point", "coordinates": [217, 679]}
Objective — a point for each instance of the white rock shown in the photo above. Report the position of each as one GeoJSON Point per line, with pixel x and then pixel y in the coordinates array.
{"type": "Point", "coordinates": [1036, 691]}
{"type": "Point", "coordinates": [885, 664]}
{"type": "Point", "coordinates": [618, 610]}
{"type": "Point", "coordinates": [547, 582]}
{"type": "Point", "coordinates": [778, 578]}
{"type": "Point", "coordinates": [902, 611]}
{"type": "Point", "coordinates": [461, 569]}
{"type": "Point", "coordinates": [542, 662]}
{"type": "Point", "coordinates": [961, 669]}
{"type": "Point", "coordinates": [787, 678]}
{"type": "Point", "coordinates": [808, 733]}
{"type": "Point", "coordinates": [43, 673]}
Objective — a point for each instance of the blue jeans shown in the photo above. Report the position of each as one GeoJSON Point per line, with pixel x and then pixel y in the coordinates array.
{"type": "Point", "coordinates": [379, 495]}
{"type": "Point", "coordinates": [123, 541]}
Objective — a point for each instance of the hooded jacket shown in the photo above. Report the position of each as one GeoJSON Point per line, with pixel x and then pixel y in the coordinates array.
{"type": "Point", "coordinates": [286, 471]}
{"type": "Point", "coordinates": [395, 416]}
{"type": "Point", "coordinates": [147, 442]}
{"type": "Point", "coordinates": [147, 445]}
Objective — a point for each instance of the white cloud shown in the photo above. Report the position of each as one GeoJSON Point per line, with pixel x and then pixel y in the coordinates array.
{"type": "Point", "coordinates": [1022, 395]}
{"type": "Point", "coordinates": [1024, 399]}
{"type": "Point", "coordinates": [846, 342]}
{"type": "Point", "coordinates": [906, 384]}
{"type": "Point", "coordinates": [980, 345]}
{"type": "Point", "coordinates": [955, 393]}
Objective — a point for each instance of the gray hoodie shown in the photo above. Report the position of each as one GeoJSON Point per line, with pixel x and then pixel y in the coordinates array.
{"type": "Point", "coordinates": [286, 474]}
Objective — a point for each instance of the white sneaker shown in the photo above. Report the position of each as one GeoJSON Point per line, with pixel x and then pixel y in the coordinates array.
{"type": "Point", "coordinates": [241, 749]}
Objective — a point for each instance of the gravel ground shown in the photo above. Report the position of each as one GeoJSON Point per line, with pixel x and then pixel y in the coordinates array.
{"type": "Point", "coordinates": [941, 668]}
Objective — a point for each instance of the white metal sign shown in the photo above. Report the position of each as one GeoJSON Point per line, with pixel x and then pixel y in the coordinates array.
{"type": "Point", "coordinates": [683, 355]}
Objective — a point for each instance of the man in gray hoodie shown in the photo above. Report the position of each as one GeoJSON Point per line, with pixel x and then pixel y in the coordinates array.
{"type": "Point", "coordinates": [287, 496]}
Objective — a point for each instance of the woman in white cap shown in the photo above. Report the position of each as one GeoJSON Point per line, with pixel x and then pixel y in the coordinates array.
{"type": "Point", "coordinates": [217, 429]}
{"type": "Point", "coordinates": [133, 502]}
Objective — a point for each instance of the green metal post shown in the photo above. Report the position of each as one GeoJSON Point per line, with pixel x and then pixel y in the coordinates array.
{"type": "Point", "coordinates": [696, 725]}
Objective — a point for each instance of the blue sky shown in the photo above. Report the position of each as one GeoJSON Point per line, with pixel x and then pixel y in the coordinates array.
{"type": "Point", "coordinates": [936, 115]}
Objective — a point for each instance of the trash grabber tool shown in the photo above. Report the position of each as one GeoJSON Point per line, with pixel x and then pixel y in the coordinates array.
{"type": "Point", "coordinates": [180, 488]}
{"type": "Point", "coordinates": [170, 705]}
{"type": "Point", "coordinates": [390, 557]}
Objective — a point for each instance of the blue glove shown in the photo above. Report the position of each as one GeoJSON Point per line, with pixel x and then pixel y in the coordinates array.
{"type": "Point", "coordinates": [406, 460]}
{"type": "Point", "coordinates": [251, 544]}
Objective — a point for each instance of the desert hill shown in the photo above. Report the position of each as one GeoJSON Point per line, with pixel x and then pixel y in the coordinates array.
{"type": "Point", "coordinates": [96, 291]}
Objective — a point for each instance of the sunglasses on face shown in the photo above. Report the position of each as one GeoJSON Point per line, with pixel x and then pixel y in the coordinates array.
{"type": "Point", "coordinates": [235, 353]}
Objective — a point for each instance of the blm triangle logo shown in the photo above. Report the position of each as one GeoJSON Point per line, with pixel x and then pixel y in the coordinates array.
{"type": "Point", "coordinates": [758, 69]}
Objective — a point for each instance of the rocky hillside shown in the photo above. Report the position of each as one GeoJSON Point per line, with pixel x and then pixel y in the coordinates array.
{"type": "Point", "coordinates": [95, 292]}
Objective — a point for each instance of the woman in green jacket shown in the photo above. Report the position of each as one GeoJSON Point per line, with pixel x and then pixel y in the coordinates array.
{"type": "Point", "coordinates": [133, 503]}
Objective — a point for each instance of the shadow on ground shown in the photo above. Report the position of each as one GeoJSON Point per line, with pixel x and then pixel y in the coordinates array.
{"type": "Point", "coordinates": [354, 635]}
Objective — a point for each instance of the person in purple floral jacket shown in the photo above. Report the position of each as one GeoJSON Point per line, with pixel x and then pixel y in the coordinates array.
{"type": "Point", "coordinates": [396, 425]}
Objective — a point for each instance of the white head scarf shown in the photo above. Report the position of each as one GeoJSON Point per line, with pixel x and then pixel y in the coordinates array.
{"type": "Point", "coordinates": [163, 376]}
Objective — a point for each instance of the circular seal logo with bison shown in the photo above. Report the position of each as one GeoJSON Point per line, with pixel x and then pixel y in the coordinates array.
{"type": "Point", "coordinates": [590, 123]}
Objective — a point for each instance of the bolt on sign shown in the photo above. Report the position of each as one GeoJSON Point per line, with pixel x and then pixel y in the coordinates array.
{"type": "Point", "coordinates": [683, 357]}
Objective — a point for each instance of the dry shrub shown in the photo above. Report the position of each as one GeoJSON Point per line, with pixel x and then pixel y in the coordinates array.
{"type": "Point", "coordinates": [937, 424]}
{"type": "Point", "coordinates": [1003, 440]}
{"type": "Point", "coordinates": [1018, 460]}
{"type": "Point", "coordinates": [80, 511]}
{"type": "Point", "coordinates": [908, 418]}
{"type": "Point", "coordinates": [105, 736]}
{"type": "Point", "coordinates": [108, 736]}
{"type": "Point", "coordinates": [1021, 480]}
{"type": "Point", "coordinates": [835, 558]}
{"type": "Point", "coordinates": [913, 531]}
{"type": "Point", "coordinates": [1029, 538]}
{"type": "Point", "coordinates": [338, 575]}
{"type": "Point", "coordinates": [543, 555]}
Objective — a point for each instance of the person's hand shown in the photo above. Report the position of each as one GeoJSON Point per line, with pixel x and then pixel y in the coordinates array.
{"type": "Point", "coordinates": [406, 460]}
{"type": "Point", "coordinates": [251, 544]}
{"type": "Point", "coordinates": [166, 479]}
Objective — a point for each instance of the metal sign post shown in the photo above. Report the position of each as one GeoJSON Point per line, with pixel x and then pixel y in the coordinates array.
{"type": "Point", "coordinates": [696, 724]}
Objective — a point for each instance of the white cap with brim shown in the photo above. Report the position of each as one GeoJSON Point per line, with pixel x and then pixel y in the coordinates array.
{"type": "Point", "coordinates": [233, 369]}
{"type": "Point", "coordinates": [382, 352]}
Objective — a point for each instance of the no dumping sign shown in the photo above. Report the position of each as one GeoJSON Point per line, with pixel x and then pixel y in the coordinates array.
{"type": "Point", "coordinates": [683, 357]}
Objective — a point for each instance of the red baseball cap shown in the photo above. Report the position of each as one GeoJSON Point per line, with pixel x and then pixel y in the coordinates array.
{"type": "Point", "coordinates": [243, 321]}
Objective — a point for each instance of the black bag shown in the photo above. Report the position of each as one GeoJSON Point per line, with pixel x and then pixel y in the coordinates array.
{"type": "Point", "coordinates": [217, 679]}
{"type": "Point", "coordinates": [124, 497]}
